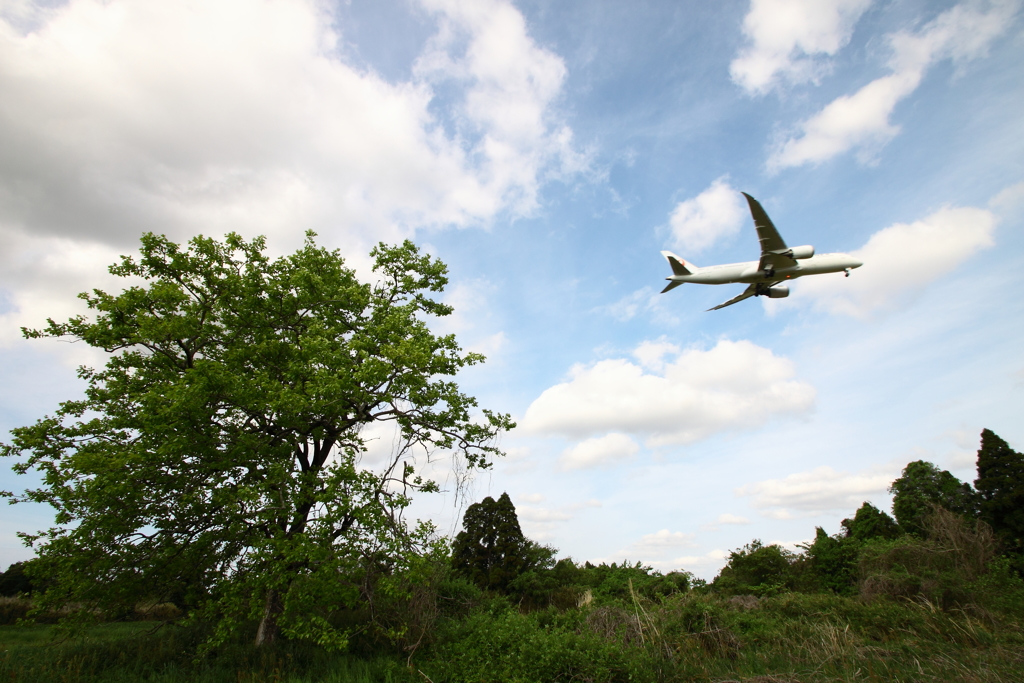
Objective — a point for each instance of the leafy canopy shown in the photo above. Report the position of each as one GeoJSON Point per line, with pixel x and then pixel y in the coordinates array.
{"type": "Point", "coordinates": [216, 458]}
{"type": "Point", "coordinates": [923, 485]}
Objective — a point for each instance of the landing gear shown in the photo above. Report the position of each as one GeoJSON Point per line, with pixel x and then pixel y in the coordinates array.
{"type": "Point", "coordinates": [847, 271]}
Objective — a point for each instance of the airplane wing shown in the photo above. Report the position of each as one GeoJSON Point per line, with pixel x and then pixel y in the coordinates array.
{"type": "Point", "coordinates": [752, 290]}
{"type": "Point", "coordinates": [772, 244]}
{"type": "Point", "coordinates": [747, 293]}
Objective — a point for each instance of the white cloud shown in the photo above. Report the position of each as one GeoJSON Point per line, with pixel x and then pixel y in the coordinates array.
{"type": "Point", "coordinates": [788, 37]}
{"type": "Point", "coordinates": [714, 558]}
{"type": "Point", "coordinates": [43, 276]}
{"type": "Point", "coordinates": [1009, 199]}
{"type": "Point", "coordinates": [659, 544]}
{"type": "Point", "coordinates": [644, 300]}
{"type": "Point", "coordinates": [861, 120]}
{"type": "Point", "coordinates": [651, 354]}
{"type": "Point", "coordinates": [470, 301]}
{"type": "Point", "coordinates": [511, 83]}
{"type": "Point", "coordinates": [727, 518]}
{"type": "Point", "coordinates": [544, 518]}
{"type": "Point", "coordinates": [735, 385]}
{"type": "Point", "coordinates": [818, 491]}
{"type": "Point", "coordinates": [900, 261]}
{"type": "Point", "coordinates": [698, 223]}
{"type": "Point", "coordinates": [535, 514]}
{"type": "Point", "coordinates": [605, 451]}
{"type": "Point", "coordinates": [241, 115]}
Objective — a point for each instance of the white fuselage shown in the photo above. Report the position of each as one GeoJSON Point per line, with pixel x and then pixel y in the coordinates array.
{"type": "Point", "coordinates": [748, 272]}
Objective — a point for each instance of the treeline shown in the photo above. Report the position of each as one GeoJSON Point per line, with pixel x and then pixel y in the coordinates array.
{"type": "Point", "coordinates": [942, 534]}
{"type": "Point", "coordinates": [931, 592]}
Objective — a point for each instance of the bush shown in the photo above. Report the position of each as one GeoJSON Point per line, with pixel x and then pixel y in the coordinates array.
{"type": "Point", "coordinates": [539, 646]}
{"type": "Point", "coordinates": [939, 568]}
{"type": "Point", "coordinates": [756, 569]}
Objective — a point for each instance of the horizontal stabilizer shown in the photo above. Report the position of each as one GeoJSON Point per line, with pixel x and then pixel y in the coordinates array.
{"type": "Point", "coordinates": [679, 266]}
{"type": "Point", "coordinates": [671, 285]}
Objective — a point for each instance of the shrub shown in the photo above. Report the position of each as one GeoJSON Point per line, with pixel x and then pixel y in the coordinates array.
{"type": "Point", "coordinates": [939, 567]}
{"type": "Point", "coordinates": [756, 569]}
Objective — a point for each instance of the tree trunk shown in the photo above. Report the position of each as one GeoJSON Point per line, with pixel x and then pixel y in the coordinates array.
{"type": "Point", "coordinates": [267, 632]}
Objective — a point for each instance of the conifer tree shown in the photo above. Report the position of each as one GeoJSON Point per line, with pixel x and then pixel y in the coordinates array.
{"type": "Point", "coordinates": [1000, 484]}
{"type": "Point", "coordinates": [491, 549]}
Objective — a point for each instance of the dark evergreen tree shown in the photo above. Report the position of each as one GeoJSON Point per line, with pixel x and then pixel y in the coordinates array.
{"type": "Point", "coordinates": [1000, 485]}
{"type": "Point", "coordinates": [491, 549]}
{"type": "Point", "coordinates": [922, 485]}
{"type": "Point", "coordinates": [870, 522]}
{"type": "Point", "coordinates": [15, 581]}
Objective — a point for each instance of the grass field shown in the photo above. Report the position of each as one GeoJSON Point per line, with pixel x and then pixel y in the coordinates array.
{"type": "Point", "coordinates": [125, 652]}
{"type": "Point", "coordinates": [790, 638]}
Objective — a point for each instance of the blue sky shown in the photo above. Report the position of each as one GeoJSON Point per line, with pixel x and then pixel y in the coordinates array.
{"type": "Point", "coordinates": [547, 152]}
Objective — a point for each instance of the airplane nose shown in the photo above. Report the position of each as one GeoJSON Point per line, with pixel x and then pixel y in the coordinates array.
{"type": "Point", "coordinates": [856, 263]}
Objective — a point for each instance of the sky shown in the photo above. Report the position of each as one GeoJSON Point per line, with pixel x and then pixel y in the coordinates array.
{"type": "Point", "coordinates": [547, 152]}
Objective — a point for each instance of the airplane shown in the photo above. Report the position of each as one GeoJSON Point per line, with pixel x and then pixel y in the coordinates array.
{"type": "Point", "coordinates": [778, 263]}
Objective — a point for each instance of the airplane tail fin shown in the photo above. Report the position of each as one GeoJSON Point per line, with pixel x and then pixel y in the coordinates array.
{"type": "Point", "coordinates": [679, 266]}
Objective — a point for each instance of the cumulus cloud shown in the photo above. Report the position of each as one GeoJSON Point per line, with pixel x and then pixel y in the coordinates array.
{"type": "Point", "coordinates": [900, 261]}
{"type": "Point", "coordinates": [735, 385]}
{"type": "Point", "coordinates": [861, 120]}
{"type": "Point", "coordinates": [539, 521]}
{"type": "Point", "coordinates": [818, 491]}
{"type": "Point", "coordinates": [651, 354]}
{"type": "Point", "coordinates": [605, 451]}
{"type": "Point", "coordinates": [240, 115]}
{"type": "Point", "coordinates": [659, 544]}
{"type": "Point", "coordinates": [788, 40]}
{"type": "Point", "coordinates": [698, 223]}
{"type": "Point", "coordinates": [725, 518]}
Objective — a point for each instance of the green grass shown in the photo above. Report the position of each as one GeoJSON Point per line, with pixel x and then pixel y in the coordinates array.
{"type": "Point", "coordinates": [695, 637]}
{"type": "Point", "coordinates": [122, 652]}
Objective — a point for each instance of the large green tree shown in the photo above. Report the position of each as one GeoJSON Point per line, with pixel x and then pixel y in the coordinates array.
{"type": "Point", "coordinates": [491, 549]}
{"type": "Point", "coordinates": [922, 485]}
{"type": "Point", "coordinates": [1000, 484]}
{"type": "Point", "coordinates": [217, 455]}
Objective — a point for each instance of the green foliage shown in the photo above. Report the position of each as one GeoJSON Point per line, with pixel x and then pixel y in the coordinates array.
{"type": "Point", "coordinates": [922, 485]}
{"type": "Point", "coordinates": [116, 653]}
{"type": "Point", "coordinates": [15, 581]}
{"type": "Point", "coordinates": [869, 522]}
{"type": "Point", "coordinates": [756, 569]}
{"type": "Point", "coordinates": [1000, 484]}
{"type": "Point", "coordinates": [832, 562]}
{"type": "Point", "coordinates": [491, 550]}
{"type": "Point", "coordinates": [567, 585]}
{"type": "Point", "coordinates": [940, 567]}
{"type": "Point", "coordinates": [215, 458]}
{"type": "Point", "coordinates": [538, 646]}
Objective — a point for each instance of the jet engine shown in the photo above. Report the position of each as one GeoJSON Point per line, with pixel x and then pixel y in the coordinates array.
{"type": "Point", "coordinates": [778, 292]}
{"type": "Point", "coordinates": [801, 252]}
